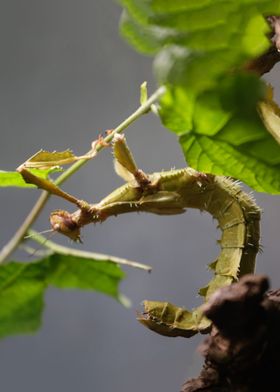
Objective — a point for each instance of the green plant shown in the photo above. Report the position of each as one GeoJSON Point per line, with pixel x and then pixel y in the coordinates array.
{"type": "Point", "coordinates": [210, 95]}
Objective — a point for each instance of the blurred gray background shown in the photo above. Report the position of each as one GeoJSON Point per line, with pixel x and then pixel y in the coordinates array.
{"type": "Point", "coordinates": [66, 75]}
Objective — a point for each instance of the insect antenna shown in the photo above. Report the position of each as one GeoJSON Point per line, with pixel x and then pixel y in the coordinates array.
{"type": "Point", "coordinates": [40, 232]}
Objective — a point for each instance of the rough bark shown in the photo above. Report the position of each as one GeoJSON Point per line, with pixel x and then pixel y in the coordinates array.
{"type": "Point", "coordinates": [242, 350]}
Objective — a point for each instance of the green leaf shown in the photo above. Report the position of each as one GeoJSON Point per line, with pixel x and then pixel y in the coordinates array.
{"type": "Point", "coordinates": [209, 114]}
{"type": "Point", "coordinates": [189, 20]}
{"type": "Point", "coordinates": [237, 27]}
{"type": "Point", "coordinates": [218, 136]}
{"type": "Point", "coordinates": [176, 110]}
{"type": "Point", "coordinates": [51, 159]}
{"type": "Point", "coordinates": [15, 179]}
{"type": "Point", "coordinates": [177, 5]}
{"type": "Point", "coordinates": [23, 285]}
{"type": "Point", "coordinates": [139, 10]}
{"type": "Point", "coordinates": [146, 39]}
{"type": "Point", "coordinates": [70, 272]}
{"type": "Point", "coordinates": [21, 298]}
{"type": "Point", "coordinates": [210, 103]}
{"type": "Point", "coordinates": [254, 41]}
{"type": "Point", "coordinates": [213, 155]}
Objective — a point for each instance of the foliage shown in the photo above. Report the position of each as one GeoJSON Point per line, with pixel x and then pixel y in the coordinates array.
{"type": "Point", "coordinates": [8, 179]}
{"type": "Point", "coordinates": [22, 286]}
{"type": "Point", "coordinates": [201, 51]}
{"type": "Point", "coordinates": [224, 116]}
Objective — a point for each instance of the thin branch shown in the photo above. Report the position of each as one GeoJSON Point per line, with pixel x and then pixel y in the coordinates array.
{"type": "Point", "coordinates": [40, 239]}
{"type": "Point", "coordinates": [10, 247]}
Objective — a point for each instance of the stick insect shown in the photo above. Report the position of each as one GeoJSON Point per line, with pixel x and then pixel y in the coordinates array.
{"type": "Point", "coordinates": [170, 193]}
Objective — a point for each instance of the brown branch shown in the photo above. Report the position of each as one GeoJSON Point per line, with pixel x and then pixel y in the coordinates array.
{"type": "Point", "coordinates": [242, 351]}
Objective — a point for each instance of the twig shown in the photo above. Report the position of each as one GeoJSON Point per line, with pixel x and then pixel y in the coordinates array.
{"type": "Point", "coordinates": [40, 239]}
{"type": "Point", "coordinates": [10, 247]}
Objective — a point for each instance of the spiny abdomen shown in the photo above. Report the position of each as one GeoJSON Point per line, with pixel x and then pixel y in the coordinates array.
{"type": "Point", "coordinates": [239, 220]}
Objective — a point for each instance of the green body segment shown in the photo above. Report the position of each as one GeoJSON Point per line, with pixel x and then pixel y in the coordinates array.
{"type": "Point", "coordinates": [172, 192]}
{"type": "Point", "coordinates": [168, 193]}
{"type": "Point", "coordinates": [238, 217]}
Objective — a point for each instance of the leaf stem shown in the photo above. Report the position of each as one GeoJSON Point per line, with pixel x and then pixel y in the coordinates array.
{"type": "Point", "coordinates": [40, 239]}
{"type": "Point", "coordinates": [10, 247]}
